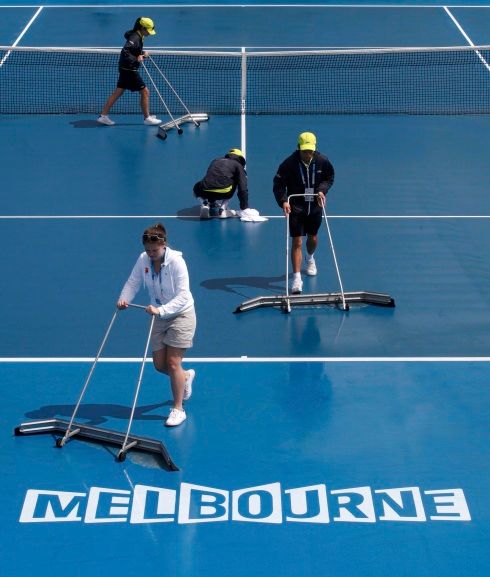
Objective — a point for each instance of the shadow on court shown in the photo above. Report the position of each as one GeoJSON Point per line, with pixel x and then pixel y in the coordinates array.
{"type": "Point", "coordinates": [231, 284]}
{"type": "Point", "coordinates": [95, 124]}
{"type": "Point", "coordinates": [97, 414]}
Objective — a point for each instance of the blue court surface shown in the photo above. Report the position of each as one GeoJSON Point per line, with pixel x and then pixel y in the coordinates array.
{"type": "Point", "coordinates": [321, 442]}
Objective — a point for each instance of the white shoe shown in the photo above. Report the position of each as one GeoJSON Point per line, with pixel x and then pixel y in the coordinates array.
{"type": "Point", "coordinates": [103, 119]}
{"type": "Point", "coordinates": [152, 121]}
{"type": "Point", "coordinates": [189, 377]}
{"type": "Point", "coordinates": [297, 286]}
{"type": "Point", "coordinates": [223, 213]}
{"type": "Point", "coordinates": [175, 418]}
{"type": "Point", "coordinates": [311, 267]}
{"type": "Point", "coordinates": [204, 211]}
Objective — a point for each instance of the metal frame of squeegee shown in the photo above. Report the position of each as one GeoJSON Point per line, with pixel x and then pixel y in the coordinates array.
{"type": "Point", "coordinates": [71, 429]}
{"type": "Point", "coordinates": [189, 117]}
{"type": "Point", "coordinates": [340, 299]}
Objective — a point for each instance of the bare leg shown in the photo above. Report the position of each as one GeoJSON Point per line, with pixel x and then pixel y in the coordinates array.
{"type": "Point", "coordinates": [169, 361]}
{"type": "Point", "coordinates": [176, 374]}
{"type": "Point", "coordinates": [160, 360]}
{"type": "Point", "coordinates": [311, 243]}
{"type": "Point", "coordinates": [296, 253]}
{"type": "Point", "coordinates": [111, 100]}
{"type": "Point", "coordinates": [145, 102]}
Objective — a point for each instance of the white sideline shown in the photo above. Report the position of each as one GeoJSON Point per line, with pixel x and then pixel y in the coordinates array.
{"type": "Point", "coordinates": [19, 38]}
{"type": "Point", "coordinates": [467, 38]}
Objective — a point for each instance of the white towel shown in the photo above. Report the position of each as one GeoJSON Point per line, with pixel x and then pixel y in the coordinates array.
{"type": "Point", "coordinates": [250, 215]}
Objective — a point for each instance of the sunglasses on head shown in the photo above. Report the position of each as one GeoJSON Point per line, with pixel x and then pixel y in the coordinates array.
{"type": "Point", "coordinates": [152, 238]}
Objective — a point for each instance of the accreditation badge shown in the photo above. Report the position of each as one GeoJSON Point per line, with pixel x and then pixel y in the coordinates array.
{"type": "Point", "coordinates": [309, 194]}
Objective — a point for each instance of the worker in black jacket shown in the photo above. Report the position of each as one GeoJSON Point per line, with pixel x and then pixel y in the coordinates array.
{"type": "Point", "coordinates": [224, 175]}
{"type": "Point", "coordinates": [132, 54]}
{"type": "Point", "coordinates": [310, 173]}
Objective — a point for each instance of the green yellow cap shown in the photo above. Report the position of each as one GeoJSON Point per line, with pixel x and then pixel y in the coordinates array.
{"type": "Point", "coordinates": [307, 141]}
{"type": "Point", "coordinates": [147, 24]}
{"type": "Point", "coordinates": [236, 152]}
{"type": "Point", "coordinates": [239, 154]}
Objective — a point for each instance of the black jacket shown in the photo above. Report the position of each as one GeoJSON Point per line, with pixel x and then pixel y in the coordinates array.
{"type": "Point", "coordinates": [228, 171]}
{"type": "Point", "coordinates": [131, 50]}
{"type": "Point", "coordinates": [288, 178]}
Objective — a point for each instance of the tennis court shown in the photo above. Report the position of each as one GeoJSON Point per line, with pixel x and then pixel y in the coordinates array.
{"type": "Point", "coordinates": [317, 442]}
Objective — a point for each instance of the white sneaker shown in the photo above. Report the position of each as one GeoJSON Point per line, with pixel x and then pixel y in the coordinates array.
{"type": "Point", "coordinates": [223, 213]}
{"type": "Point", "coordinates": [311, 267]}
{"type": "Point", "coordinates": [175, 418]}
{"type": "Point", "coordinates": [189, 377]}
{"type": "Point", "coordinates": [297, 286]}
{"type": "Point", "coordinates": [152, 121]}
{"type": "Point", "coordinates": [103, 119]}
{"type": "Point", "coordinates": [204, 211]}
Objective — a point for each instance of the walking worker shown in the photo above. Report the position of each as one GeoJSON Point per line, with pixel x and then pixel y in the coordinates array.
{"type": "Point", "coordinates": [132, 54]}
{"type": "Point", "coordinates": [224, 176]}
{"type": "Point", "coordinates": [163, 272]}
{"type": "Point", "coordinates": [307, 172]}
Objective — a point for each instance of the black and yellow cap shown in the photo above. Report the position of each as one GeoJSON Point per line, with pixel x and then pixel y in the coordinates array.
{"type": "Point", "coordinates": [237, 152]}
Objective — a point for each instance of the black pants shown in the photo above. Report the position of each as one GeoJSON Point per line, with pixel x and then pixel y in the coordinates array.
{"type": "Point", "coordinates": [199, 192]}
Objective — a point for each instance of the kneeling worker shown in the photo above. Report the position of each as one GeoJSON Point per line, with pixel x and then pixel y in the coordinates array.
{"type": "Point", "coordinates": [224, 175]}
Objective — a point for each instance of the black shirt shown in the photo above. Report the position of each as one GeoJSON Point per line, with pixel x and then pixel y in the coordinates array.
{"type": "Point", "coordinates": [293, 176]}
{"type": "Point", "coordinates": [128, 60]}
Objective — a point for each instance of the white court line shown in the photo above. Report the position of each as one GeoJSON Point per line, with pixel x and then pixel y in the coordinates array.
{"type": "Point", "coordinates": [275, 216]}
{"type": "Point", "coordinates": [246, 359]}
{"type": "Point", "coordinates": [467, 38]}
{"type": "Point", "coordinates": [181, 6]}
{"type": "Point", "coordinates": [22, 33]}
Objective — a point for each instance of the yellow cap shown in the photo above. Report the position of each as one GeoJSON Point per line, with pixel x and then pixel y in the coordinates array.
{"type": "Point", "coordinates": [147, 24]}
{"type": "Point", "coordinates": [236, 152]}
{"type": "Point", "coordinates": [307, 141]}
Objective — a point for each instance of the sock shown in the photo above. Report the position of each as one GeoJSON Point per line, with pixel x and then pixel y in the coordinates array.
{"type": "Point", "coordinates": [296, 275]}
{"type": "Point", "coordinates": [309, 256]}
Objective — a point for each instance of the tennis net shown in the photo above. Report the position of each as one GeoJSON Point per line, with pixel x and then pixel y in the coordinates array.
{"type": "Point", "coordinates": [448, 80]}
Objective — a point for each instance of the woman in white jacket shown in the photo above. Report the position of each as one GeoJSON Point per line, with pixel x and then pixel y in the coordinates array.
{"type": "Point", "coordinates": [163, 272]}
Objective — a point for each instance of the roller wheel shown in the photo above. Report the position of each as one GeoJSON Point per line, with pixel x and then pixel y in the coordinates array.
{"type": "Point", "coordinates": [17, 432]}
{"type": "Point", "coordinates": [121, 456]}
{"type": "Point", "coordinates": [162, 136]}
{"type": "Point", "coordinates": [180, 131]}
{"type": "Point", "coordinates": [59, 442]}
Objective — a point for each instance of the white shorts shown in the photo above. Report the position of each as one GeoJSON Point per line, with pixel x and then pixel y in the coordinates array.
{"type": "Point", "coordinates": [176, 332]}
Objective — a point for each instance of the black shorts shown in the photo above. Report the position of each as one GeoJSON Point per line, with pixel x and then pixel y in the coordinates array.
{"type": "Point", "coordinates": [301, 223]}
{"type": "Point", "coordinates": [130, 80]}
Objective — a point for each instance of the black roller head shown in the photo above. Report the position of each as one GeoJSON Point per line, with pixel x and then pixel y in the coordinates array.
{"type": "Point", "coordinates": [180, 131]}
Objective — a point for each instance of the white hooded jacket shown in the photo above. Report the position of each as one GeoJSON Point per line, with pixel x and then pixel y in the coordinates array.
{"type": "Point", "coordinates": [169, 290]}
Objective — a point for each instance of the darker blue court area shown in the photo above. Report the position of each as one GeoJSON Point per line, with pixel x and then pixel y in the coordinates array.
{"type": "Point", "coordinates": [317, 442]}
{"type": "Point", "coordinates": [376, 429]}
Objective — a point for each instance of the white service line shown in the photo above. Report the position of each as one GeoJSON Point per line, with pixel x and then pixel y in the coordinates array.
{"type": "Point", "coordinates": [245, 359]}
{"type": "Point", "coordinates": [467, 38]}
{"type": "Point", "coordinates": [22, 34]}
{"type": "Point", "coordinates": [281, 6]}
{"type": "Point", "coordinates": [274, 216]}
